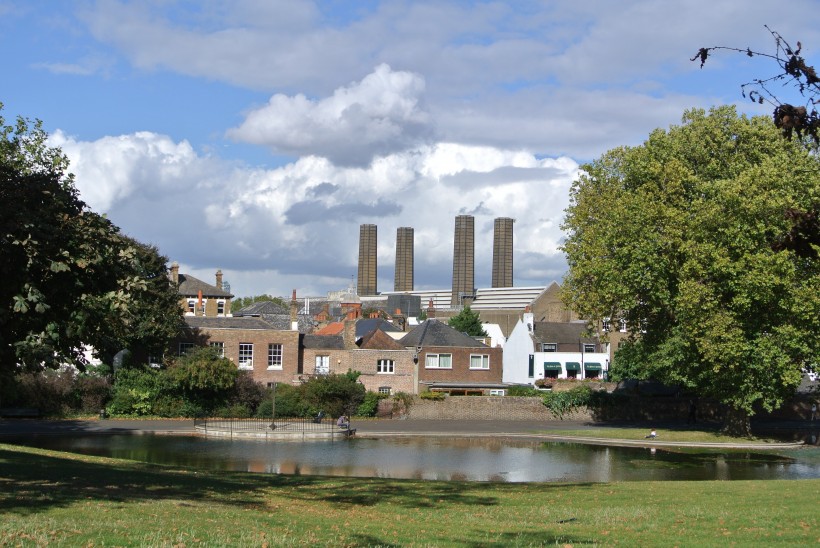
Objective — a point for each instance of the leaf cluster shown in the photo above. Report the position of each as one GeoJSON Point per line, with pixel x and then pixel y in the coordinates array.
{"type": "Point", "coordinates": [799, 120]}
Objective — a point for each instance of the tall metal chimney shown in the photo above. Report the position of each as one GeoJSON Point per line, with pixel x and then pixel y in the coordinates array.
{"type": "Point", "coordinates": [503, 252]}
{"type": "Point", "coordinates": [463, 259]}
{"type": "Point", "coordinates": [404, 259]}
{"type": "Point", "coordinates": [367, 260]}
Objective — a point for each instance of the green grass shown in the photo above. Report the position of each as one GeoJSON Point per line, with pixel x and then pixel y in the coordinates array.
{"type": "Point", "coordinates": [679, 434]}
{"type": "Point", "coordinates": [62, 499]}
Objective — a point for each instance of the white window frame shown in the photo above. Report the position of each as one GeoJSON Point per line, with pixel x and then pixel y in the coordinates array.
{"type": "Point", "coordinates": [275, 354]}
{"type": "Point", "coordinates": [322, 366]}
{"type": "Point", "coordinates": [549, 347]}
{"type": "Point", "coordinates": [219, 347]}
{"type": "Point", "coordinates": [385, 390]}
{"type": "Point", "coordinates": [220, 307]}
{"type": "Point", "coordinates": [385, 366]}
{"type": "Point", "coordinates": [185, 347]}
{"type": "Point", "coordinates": [484, 362]}
{"type": "Point", "coordinates": [498, 392]}
{"type": "Point", "coordinates": [191, 309]}
{"type": "Point", "coordinates": [589, 347]}
{"type": "Point", "coordinates": [245, 356]}
{"type": "Point", "coordinates": [434, 361]}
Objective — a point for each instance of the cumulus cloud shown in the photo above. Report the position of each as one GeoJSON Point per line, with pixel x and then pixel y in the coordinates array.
{"type": "Point", "coordinates": [380, 115]}
{"type": "Point", "coordinates": [297, 226]}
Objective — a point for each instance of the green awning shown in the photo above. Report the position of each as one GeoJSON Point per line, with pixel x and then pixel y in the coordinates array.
{"type": "Point", "coordinates": [552, 366]}
{"type": "Point", "coordinates": [573, 366]}
{"type": "Point", "coordinates": [592, 366]}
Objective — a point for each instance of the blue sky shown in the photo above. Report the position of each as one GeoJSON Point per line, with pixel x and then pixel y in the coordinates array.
{"type": "Point", "coordinates": [256, 136]}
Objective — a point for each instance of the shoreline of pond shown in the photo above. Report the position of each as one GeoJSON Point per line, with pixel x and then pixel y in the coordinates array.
{"type": "Point", "coordinates": [513, 430]}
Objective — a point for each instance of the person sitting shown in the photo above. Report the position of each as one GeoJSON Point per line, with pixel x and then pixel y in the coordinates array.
{"type": "Point", "coordinates": [318, 418]}
{"type": "Point", "coordinates": [343, 422]}
{"type": "Point", "coordinates": [652, 435]}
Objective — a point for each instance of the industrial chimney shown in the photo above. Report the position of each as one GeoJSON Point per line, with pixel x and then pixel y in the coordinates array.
{"type": "Point", "coordinates": [367, 260]}
{"type": "Point", "coordinates": [463, 260]}
{"type": "Point", "coordinates": [503, 252]}
{"type": "Point", "coordinates": [404, 260]}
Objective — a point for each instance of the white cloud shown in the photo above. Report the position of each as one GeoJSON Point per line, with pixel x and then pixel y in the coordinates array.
{"type": "Point", "coordinates": [380, 115]}
{"type": "Point", "coordinates": [297, 226]}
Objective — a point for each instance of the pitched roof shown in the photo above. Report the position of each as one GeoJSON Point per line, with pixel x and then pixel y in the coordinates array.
{"type": "Point", "coordinates": [560, 332]}
{"type": "Point", "coordinates": [379, 340]}
{"type": "Point", "coordinates": [323, 342]}
{"type": "Point", "coordinates": [190, 287]}
{"type": "Point", "coordinates": [262, 307]}
{"type": "Point", "coordinates": [226, 323]}
{"type": "Point", "coordinates": [436, 333]}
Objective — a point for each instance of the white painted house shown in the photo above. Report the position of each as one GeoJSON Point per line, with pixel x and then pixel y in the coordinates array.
{"type": "Point", "coordinates": [561, 350]}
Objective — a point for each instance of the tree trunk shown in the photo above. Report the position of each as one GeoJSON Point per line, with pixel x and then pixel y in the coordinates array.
{"type": "Point", "coordinates": [737, 423]}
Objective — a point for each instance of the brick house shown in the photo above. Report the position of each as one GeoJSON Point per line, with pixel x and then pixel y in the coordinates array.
{"type": "Point", "coordinates": [385, 365]}
{"type": "Point", "coordinates": [270, 355]}
{"type": "Point", "coordinates": [198, 298]}
{"type": "Point", "coordinates": [453, 362]}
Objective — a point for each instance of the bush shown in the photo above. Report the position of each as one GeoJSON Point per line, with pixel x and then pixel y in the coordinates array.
{"type": "Point", "coordinates": [248, 392]}
{"type": "Point", "coordinates": [236, 411]}
{"type": "Point", "coordinates": [434, 396]}
{"type": "Point", "coordinates": [135, 391]}
{"type": "Point", "coordinates": [545, 383]}
{"type": "Point", "coordinates": [334, 394]}
{"type": "Point", "coordinates": [561, 403]}
{"type": "Point", "coordinates": [289, 403]}
{"type": "Point", "coordinates": [92, 393]}
{"type": "Point", "coordinates": [523, 391]}
{"type": "Point", "coordinates": [370, 405]}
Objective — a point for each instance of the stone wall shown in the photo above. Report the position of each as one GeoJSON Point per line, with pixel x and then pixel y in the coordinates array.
{"type": "Point", "coordinates": [625, 408]}
{"type": "Point", "coordinates": [477, 408]}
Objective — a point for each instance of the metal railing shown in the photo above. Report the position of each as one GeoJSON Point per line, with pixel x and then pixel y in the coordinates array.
{"type": "Point", "coordinates": [280, 427]}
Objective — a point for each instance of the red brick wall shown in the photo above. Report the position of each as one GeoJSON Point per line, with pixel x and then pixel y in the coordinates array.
{"type": "Point", "coordinates": [461, 371]}
{"type": "Point", "coordinates": [260, 338]}
{"type": "Point", "coordinates": [401, 380]}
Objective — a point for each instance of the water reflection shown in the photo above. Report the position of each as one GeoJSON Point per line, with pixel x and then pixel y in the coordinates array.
{"type": "Point", "coordinates": [444, 459]}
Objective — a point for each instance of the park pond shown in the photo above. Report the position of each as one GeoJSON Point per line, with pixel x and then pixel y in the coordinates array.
{"type": "Point", "coordinates": [467, 459]}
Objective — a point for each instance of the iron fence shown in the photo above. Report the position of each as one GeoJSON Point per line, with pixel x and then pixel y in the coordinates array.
{"type": "Point", "coordinates": [280, 427]}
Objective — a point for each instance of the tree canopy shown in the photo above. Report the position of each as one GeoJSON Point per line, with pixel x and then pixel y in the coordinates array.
{"type": "Point", "coordinates": [242, 302]}
{"type": "Point", "coordinates": [700, 240]}
{"type": "Point", "coordinates": [70, 279]}
{"type": "Point", "coordinates": [467, 321]}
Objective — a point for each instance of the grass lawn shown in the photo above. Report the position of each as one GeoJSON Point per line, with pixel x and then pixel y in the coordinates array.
{"type": "Point", "coordinates": [700, 434]}
{"type": "Point", "coordinates": [62, 499]}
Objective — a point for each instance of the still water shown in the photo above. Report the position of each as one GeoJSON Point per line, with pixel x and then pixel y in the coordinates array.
{"type": "Point", "coordinates": [444, 459]}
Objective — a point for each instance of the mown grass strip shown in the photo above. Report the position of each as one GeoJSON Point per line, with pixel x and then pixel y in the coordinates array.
{"type": "Point", "coordinates": [53, 498]}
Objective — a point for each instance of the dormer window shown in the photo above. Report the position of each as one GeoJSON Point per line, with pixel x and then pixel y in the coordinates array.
{"type": "Point", "coordinates": [191, 307]}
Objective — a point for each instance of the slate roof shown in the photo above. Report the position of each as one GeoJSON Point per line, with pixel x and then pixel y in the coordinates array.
{"type": "Point", "coordinates": [323, 342]}
{"type": "Point", "coordinates": [190, 287]}
{"type": "Point", "coordinates": [366, 325]}
{"type": "Point", "coordinates": [226, 323]}
{"type": "Point", "coordinates": [437, 333]}
{"type": "Point", "coordinates": [560, 332]}
{"type": "Point", "coordinates": [262, 307]}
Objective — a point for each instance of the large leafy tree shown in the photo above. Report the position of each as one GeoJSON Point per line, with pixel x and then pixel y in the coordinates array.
{"type": "Point", "coordinates": [701, 240]}
{"type": "Point", "coordinates": [70, 279]}
{"type": "Point", "coordinates": [467, 321]}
